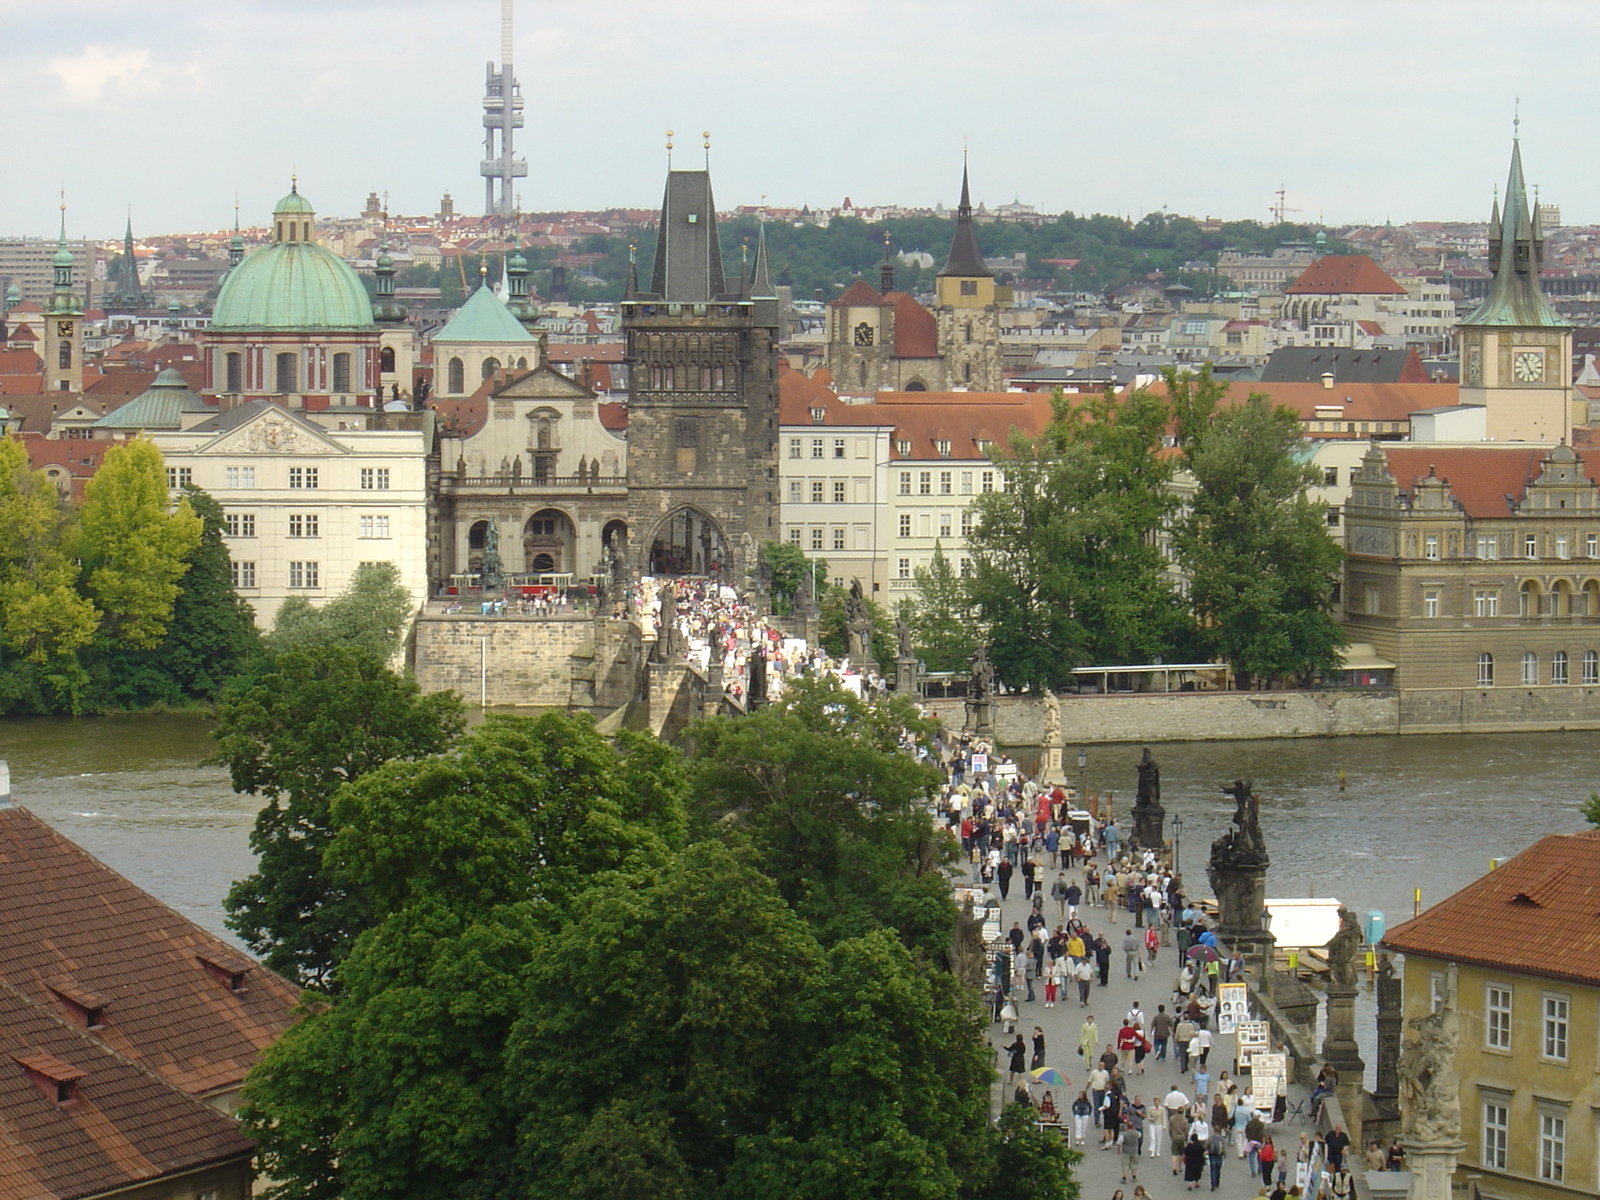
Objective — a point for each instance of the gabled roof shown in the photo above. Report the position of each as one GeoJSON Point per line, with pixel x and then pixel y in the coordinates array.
{"type": "Point", "coordinates": [70, 918]}
{"type": "Point", "coordinates": [1344, 275]}
{"type": "Point", "coordinates": [123, 1125]}
{"type": "Point", "coordinates": [483, 319]}
{"type": "Point", "coordinates": [1537, 913]}
{"type": "Point", "coordinates": [859, 294]}
{"type": "Point", "coordinates": [1480, 477]}
{"type": "Point", "coordinates": [1308, 364]}
{"type": "Point", "coordinates": [916, 333]}
{"type": "Point", "coordinates": [21, 361]}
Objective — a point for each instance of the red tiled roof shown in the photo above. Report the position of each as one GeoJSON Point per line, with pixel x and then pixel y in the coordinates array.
{"type": "Point", "coordinates": [123, 1125]}
{"type": "Point", "coordinates": [964, 419]}
{"type": "Point", "coordinates": [20, 362]}
{"type": "Point", "coordinates": [127, 382]}
{"type": "Point", "coordinates": [1355, 401]}
{"type": "Point", "coordinates": [1480, 477]}
{"type": "Point", "coordinates": [613, 415]}
{"type": "Point", "coordinates": [1371, 327]}
{"type": "Point", "coordinates": [28, 306]}
{"type": "Point", "coordinates": [22, 333]}
{"type": "Point", "coordinates": [859, 294]}
{"type": "Point", "coordinates": [1344, 275]}
{"type": "Point", "coordinates": [916, 333]}
{"type": "Point", "coordinates": [1538, 913]}
{"type": "Point", "coordinates": [566, 352]}
{"type": "Point", "coordinates": [70, 918]}
{"type": "Point", "coordinates": [21, 385]}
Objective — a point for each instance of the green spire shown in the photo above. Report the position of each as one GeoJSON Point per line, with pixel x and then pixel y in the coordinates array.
{"type": "Point", "coordinates": [1516, 254]}
{"type": "Point", "coordinates": [63, 300]}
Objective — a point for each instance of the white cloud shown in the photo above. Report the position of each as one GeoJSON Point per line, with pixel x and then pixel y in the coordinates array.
{"type": "Point", "coordinates": [99, 75]}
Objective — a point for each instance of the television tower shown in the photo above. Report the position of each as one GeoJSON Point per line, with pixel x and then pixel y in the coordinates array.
{"type": "Point", "coordinates": [502, 112]}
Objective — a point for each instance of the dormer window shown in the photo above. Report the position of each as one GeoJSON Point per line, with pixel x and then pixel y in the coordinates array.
{"type": "Point", "coordinates": [56, 1079]}
{"type": "Point", "coordinates": [229, 970]}
{"type": "Point", "coordinates": [902, 447]}
{"type": "Point", "coordinates": [819, 416]}
{"type": "Point", "coordinates": [942, 445]}
{"type": "Point", "coordinates": [84, 1007]}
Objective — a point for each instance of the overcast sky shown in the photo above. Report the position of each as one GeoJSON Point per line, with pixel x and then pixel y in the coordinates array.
{"type": "Point", "coordinates": [1364, 111]}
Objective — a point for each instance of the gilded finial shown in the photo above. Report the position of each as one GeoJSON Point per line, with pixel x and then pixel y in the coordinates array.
{"type": "Point", "coordinates": [705, 135]}
{"type": "Point", "coordinates": [669, 149]}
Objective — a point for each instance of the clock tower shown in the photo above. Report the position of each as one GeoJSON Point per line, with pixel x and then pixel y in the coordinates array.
{"type": "Point", "coordinates": [61, 347]}
{"type": "Point", "coordinates": [967, 303]}
{"type": "Point", "coordinates": [1516, 352]}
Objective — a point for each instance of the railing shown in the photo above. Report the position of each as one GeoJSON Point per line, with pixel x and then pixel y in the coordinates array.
{"type": "Point", "coordinates": [532, 481]}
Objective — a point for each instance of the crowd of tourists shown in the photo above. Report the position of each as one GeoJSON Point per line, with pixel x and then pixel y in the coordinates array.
{"type": "Point", "coordinates": [1097, 902]}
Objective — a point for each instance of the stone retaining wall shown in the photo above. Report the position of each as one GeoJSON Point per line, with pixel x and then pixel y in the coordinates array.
{"type": "Point", "coordinates": [543, 662]}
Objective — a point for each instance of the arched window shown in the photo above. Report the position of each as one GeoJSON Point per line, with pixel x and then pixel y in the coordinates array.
{"type": "Point", "coordinates": [1528, 602]}
{"type": "Point", "coordinates": [1485, 670]}
{"type": "Point", "coordinates": [969, 331]}
{"type": "Point", "coordinates": [1591, 599]}
{"type": "Point", "coordinates": [234, 370]}
{"type": "Point", "coordinates": [1561, 599]}
{"type": "Point", "coordinates": [1530, 668]}
{"type": "Point", "coordinates": [1591, 666]}
{"type": "Point", "coordinates": [64, 356]}
{"type": "Point", "coordinates": [288, 372]}
{"type": "Point", "coordinates": [1558, 667]}
{"type": "Point", "coordinates": [522, 364]}
{"type": "Point", "coordinates": [341, 372]}
{"type": "Point", "coordinates": [458, 377]}
{"type": "Point", "coordinates": [386, 360]}
{"type": "Point", "coordinates": [490, 366]}
{"type": "Point", "coordinates": [916, 385]}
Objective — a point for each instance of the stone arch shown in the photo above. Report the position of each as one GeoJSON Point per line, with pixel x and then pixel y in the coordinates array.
{"type": "Point", "coordinates": [490, 366]}
{"type": "Point", "coordinates": [549, 542]}
{"type": "Point", "coordinates": [1591, 598]}
{"type": "Point", "coordinates": [1529, 598]}
{"type": "Point", "coordinates": [386, 360]}
{"type": "Point", "coordinates": [916, 385]}
{"type": "Point", "coordinates": [688, 541]}
{"type": "Point", "coordinates": [1561, 597]}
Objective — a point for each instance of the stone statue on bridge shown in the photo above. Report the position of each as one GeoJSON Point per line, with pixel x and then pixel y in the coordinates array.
{"type": "Point", "coordinates": [492, 574]}
{"type": "Point", "coordinates": [1343, 947]}
{"type": "Point", "coordinates": [858, 627]}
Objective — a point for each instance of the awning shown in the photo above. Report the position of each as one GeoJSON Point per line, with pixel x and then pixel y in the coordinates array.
{"type": "Point", "coordinates": [1360, 656]}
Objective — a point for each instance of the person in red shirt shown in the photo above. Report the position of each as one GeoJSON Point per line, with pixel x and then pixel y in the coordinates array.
{"type": "Point", "coordinates": [1129, 1039]}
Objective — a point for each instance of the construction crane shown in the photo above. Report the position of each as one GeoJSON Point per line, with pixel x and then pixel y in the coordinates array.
{"type": "Point", "coordinates": [1281, 207]}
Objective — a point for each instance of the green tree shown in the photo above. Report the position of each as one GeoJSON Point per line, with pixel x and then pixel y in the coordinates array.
{"type": "Point", "coordinates": [133, 549]}
{"type": "Point", "coordinates": [833, 808]}
{"type": "Point", "coordinates": [44, 622]}
{"type": "Point", "coordinates": [316, 721]}
{"type": "Point", "coordinates": [1261, 565]}
{"type": "Point", "coordinates": [831, 625]}
{"type": "Point", "coordinates": [370, 615]}
{"type": "Point", "coordinates": [1591, 808]}
{"type": "Point", "coordinates": [1067, 569]}
{"type": "Point", "coordinates": [940, 616]}
{"type": "Point", "coordinates": [788, 567]}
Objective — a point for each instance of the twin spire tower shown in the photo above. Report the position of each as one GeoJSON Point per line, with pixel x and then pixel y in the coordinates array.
{"type": "Point", "coordinates": [502, 113]}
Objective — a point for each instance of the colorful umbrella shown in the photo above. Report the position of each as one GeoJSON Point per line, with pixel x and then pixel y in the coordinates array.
{"type": "Point", "coordinates": [1050, 1076]}
{"type": "Point", "coordinates": [1203, 954]}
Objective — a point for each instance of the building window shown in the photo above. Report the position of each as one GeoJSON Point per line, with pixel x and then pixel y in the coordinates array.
{"type": "Point", "coordinates": [988, 481]}
{"type": "Point", "coordinates": [905, 483]}
{"type": "Point", "coordinates": [1430, 545]}
{"type": "Point", "coordinates": [1530, 545]}
{"type": "Point", "coordinates": [375, 479]}
{"type": "Point", "coordinates": [1591, 667]}
{"type": "Point", "coordinates": [1333, 516]}
{"type": "Point", "coordinates": [1497, 1010]}
{"type": "Point", "coordinates": [1430, 603]}
{"type": "Point", "coordinates": [905, 525]}
{"type": "Point", "coordinates": [1552, 1147]}
{"type": "Point", "coordinates": [794, 537]}
{"type": "Point", "coordinates": [238, 477]}
{"type": "Point", "coordinates": [1372, 598]}
{"type": "Point", "coordinates": [925, 483]}
{"type": "Point", "coordinates": [838, 491]}
{"type": "Point", "coordinates": [794, 491]}
{"type": "Point", "coordinates": [288, 372]}
{"type": "Point", "coordinates": [303, 525]}
{"type": "Point", "coordinates": [1528, 600]}
{"type": "Point", "coordinates": [1488, 545]}
{"type": "Point", "coordinates": [238, 524]}
{"type": "Point", "coordinates": [902, 447]}
{"type": "Point", "coordinates": [303, 575]}
{"type": "Point", "coordinates": [816, 491]}
{"type": "Point", "coordinates": [1558, 667]}
{"type": "Point", "coordinates": [966, 483]}
{"type": "Point", "coordinates": [838, 539]}
{"type": "Point", "coordinates": [1591, 545]}
{"type": "Point", "coordinates": [1330, 476]}
{"type": "Point", "coordinates": [838, 447]}
{"type": "Point", "coordinates": [303, 477]}
{"type": "Point", "coordinates": [816, 447]}
{"type": "Point", "coordinates": [233, 370]}
{"type": "Point", "coordinates": [969, 287]}
{"type": "Point", "coordinates": [944, 525]}
{"type": "Point", "coordinates": [945, 488]}
{"type": "Point", "coordinates": [1561, 546]}
{"type": "Point", "coordinates": [1530, 668]}
{"type": "Point", "coordinates": [178, 477]}
{"type": "Point", "coordinates": [816, 539]}
{"type": "Point", "coordinates": [374, 527]}
{"type": "Point", "coordinates": [903, 568]}
{"type": "Point", "coordinates": [966, 522]}
{"type": "Point", "coordinates": [966, 568]}
{"type": "Point", "coordinates": [942, 445]}
{"type": "Point", "coordinates": [1556, 1011]}
{"type": "Point", "coordinates": [1496, 1128]}
{"type": "Point", "coordinates": [794, 447]}
{"type": "Point", "coordinates": [1486, 604]}
{"type": "Point", "coordinates": [818, 417]}
{"type": "Point", "coordinates": [244, 574]}
{"type": "Point", "coordinates": [341, 372]}
{"type": "Point", "coordinates": [1485, 670]}
{"type": "Point", "coordinates": [457, 377]}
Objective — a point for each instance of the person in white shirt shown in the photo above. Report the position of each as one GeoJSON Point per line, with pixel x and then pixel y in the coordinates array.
{"type": "Point", "coordinates": [1200, 1047]}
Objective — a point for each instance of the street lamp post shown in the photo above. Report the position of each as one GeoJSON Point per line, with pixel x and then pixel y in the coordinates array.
{"type": "Point", "coordinates": [1177, 845]}
{"type": "Point", "coordinates": [1083, 787]}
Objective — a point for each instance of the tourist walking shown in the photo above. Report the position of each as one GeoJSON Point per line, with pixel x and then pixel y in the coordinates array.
{"type": "Point", "coordinates": [1216, 1150]}
{"type": "Point", "coordinates": [1194, 1163]}
{"type": "Point", "coordinates": [1130, 952]}
{"type": "Point", "coordinates": [1038, 1049]}
{"type": "Point", "coordinates": [1084, 974]}
{"type": "Point", "coordinates": [1082, 1110]}
{"type": "Point", "coordinates": [1019, 1060]}
{"type": "Point", "coordinates": [1088, 1039]}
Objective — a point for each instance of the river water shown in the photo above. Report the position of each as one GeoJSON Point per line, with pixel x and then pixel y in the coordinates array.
{"type": "Point", "coordinates": [1426, 812]}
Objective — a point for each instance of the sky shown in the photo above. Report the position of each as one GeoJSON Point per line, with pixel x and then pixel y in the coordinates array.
{"type": "Point", "coordinates": [1363, 112]}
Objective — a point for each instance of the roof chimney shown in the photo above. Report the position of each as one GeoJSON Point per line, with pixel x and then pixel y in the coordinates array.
{"type": "Point", "coordinates": [1327, 380]}
{"type": "Point", "coordinates": [5, 784]}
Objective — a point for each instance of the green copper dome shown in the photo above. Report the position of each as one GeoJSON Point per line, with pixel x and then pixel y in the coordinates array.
{"type": "Point", "coordinates": [293, 203]}
{"type": "Point", "coordinates": [292, 285]}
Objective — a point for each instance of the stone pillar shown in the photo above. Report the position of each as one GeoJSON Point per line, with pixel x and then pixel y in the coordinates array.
{"type": "Point", "coordinates": [905, 676]}
{"type": "Point", "coordinates": [1241, 891]}
{"type": "Point", "coordinates": [711, 704]}
{"type": "Point", "coordinates": [980, 718]}
{"type": "Point", "coordinates": [1431, 1167]}
{"type": "Point", "coordinates": [1387, 1090]}
{"type": "Point", "coordinates": [1051, 771]}
{"type": "Point", "coordinates": [1339, 1050]}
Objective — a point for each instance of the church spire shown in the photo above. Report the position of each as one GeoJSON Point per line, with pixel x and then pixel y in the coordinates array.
{"type": "Point", "coordinates": [688, 265]}
{"type": "Point", "coordinates": [886, 271]}
{"type": "Point", "coordinates": [1516, 250]}
{"type": "Point", "coordinates": [965, 259]}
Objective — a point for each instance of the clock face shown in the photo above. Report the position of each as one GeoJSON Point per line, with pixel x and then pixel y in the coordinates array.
{"type": "Point", "coordinates": [1528, 366]}
{"type": "Point", "coordinates": [63, 328]}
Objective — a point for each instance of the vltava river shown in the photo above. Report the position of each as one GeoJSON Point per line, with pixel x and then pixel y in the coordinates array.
{"type": "Point", "coordinates": [1424, 812]}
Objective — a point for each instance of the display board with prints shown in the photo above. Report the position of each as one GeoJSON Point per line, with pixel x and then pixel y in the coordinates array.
{"type": "Point", "coordinates": [1233, 1006]}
